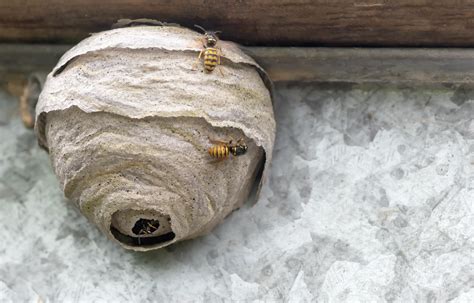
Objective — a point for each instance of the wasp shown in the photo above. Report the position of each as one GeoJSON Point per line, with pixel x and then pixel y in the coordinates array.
{"type": "Point", "coordinates": [212, 54]}
{"type": "Point", "coordinates": [145, 227]}
{"type": "Point", "coordinates": [221, 149]}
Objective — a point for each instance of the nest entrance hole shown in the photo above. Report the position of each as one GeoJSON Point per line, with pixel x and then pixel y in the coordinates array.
{"type": "Point", "coordinates": [134, 230]}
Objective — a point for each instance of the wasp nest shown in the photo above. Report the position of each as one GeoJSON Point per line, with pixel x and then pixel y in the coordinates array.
{"type": "Point", "coordinates": [128, 117]}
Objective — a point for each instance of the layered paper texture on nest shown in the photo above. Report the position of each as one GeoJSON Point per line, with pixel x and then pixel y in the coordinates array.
{"type": "Point", "coordinates": [127, 116]}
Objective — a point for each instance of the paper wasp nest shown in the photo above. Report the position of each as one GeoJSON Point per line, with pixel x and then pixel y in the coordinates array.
{"type": "Point", "coordinates": [126, 116]}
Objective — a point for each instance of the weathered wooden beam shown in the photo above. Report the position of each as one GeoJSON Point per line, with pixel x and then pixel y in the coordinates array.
{"type": "Point", "coordinates": [18, 61]}
{"type": "Point", "coordinates": [256, 22]}
{"type": "Point", "coordinates": [386, 65]}
{"type": "Point", "coordinates": [291, 64]}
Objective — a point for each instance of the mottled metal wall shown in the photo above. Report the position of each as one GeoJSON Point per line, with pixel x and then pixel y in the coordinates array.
{"type": "Point", "coordinates": [369, 199]}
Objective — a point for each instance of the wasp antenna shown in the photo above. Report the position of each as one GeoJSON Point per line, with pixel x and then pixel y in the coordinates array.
{"type": "Point", "coordinates": [200, 27]}
{"type": "Point", "coordinates": [218, 32]}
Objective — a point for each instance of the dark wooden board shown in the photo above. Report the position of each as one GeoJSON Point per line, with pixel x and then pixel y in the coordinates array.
{"type": "Point", "coordinates": [254, 22]}
{"type": "Point", "coordinates": [291, 64]}
{"type": "Point", "coordinates": [358, 65]}
{"type": "Point", "coordinates": [18, 61]}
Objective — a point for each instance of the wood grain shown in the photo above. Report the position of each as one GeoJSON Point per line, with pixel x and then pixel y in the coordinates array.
{"type": "Point", "coordinates": [259, 22]}
{"type": "Point", "coordinates": [290, 64]}
{"type": "Point", "coordinates": [374, 65]}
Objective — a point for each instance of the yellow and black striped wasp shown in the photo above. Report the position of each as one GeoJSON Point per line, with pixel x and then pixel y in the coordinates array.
{"type": "Point", "coordinates": [221, 149]}
{"type": "Point", "coordinates": [211, 53]}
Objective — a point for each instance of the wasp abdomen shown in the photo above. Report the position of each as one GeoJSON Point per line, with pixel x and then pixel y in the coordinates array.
{"type": "Point", "coordinates": [219, 151]}
{"type": "Point", "coordinates": [211, 58]}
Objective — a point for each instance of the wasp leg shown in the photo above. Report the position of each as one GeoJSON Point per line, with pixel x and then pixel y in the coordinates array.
{"type": "Point", "coordinates": [220, 70]}
{"type": "Point", "coordinates": [152, 227]}
{"type": "Point", "coordinates": [197, 60]}
{"type": "Point", "coordinates": [203, 44]}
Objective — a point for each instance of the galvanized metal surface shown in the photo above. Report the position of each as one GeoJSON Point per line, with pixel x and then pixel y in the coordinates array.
{"type": "Point", "coordinates": [370, 199]}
